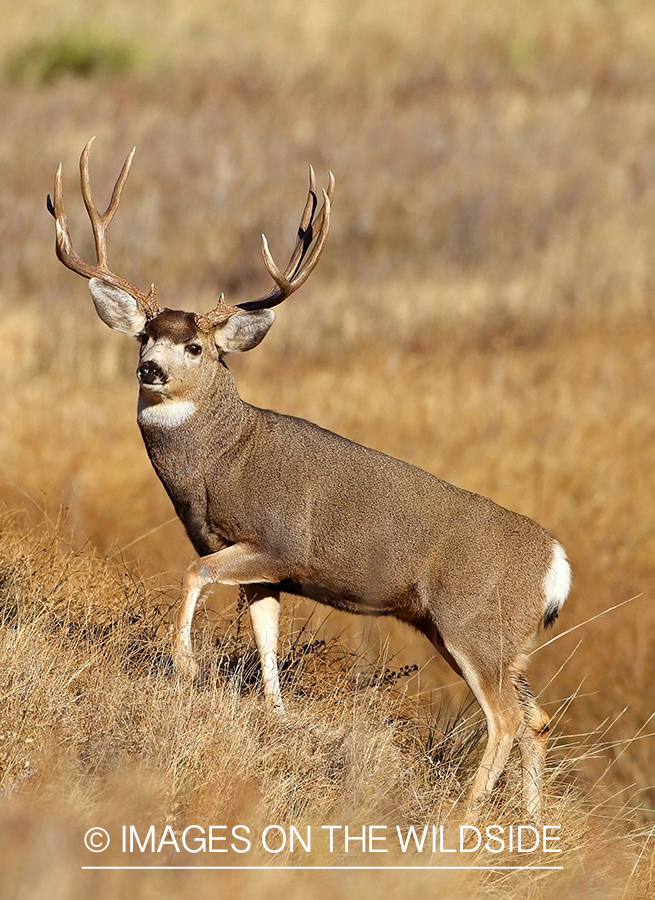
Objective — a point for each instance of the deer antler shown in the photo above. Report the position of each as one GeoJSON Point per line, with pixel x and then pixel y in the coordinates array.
{"type": "Point", "coordinates": [313, 229]}
{"type": "Point", "coordinates": [99, 224]}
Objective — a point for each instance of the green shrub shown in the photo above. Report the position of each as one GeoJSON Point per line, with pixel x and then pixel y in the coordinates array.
{"type": "Point", "coordinates": [81, 54]}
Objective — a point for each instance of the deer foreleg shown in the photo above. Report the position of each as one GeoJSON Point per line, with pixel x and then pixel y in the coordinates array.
{"type": "Point", "coordinates": [265, 618]}
{"type": "Point", "coordinates": [238, 564]}
{"type": "Point", "coordinates": [181, 651]}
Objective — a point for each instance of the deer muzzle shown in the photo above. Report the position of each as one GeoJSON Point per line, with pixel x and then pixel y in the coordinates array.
{"type": "Point", "coordinates": [150, 372]}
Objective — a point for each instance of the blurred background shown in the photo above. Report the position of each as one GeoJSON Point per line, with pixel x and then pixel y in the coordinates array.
{"type": "Point", "coordinates": [484, 307]}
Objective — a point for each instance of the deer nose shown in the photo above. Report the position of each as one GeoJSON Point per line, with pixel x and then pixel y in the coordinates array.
{"type": "Point", "coordinates": [150, 372]}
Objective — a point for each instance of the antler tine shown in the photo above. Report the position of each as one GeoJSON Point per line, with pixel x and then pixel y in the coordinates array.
{"type": "Point", "coordinates": [289, 285]}
{"type": "Point", "coordinates": [63, 243]}
{"type": "Point", "coordinates": [317, 224]}
{"type": "Point", "coordinates": [323, 227]}
{"type": "Point", "coordinates": [305, 228]}
{"type": "Point", "coordinates": [99, 222]}
{"type": "Point", "coordinates": [312, 229]}
{"type": "Point", "coordinates": [308, 225]}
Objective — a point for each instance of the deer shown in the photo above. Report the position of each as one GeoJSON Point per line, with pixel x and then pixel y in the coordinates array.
{"type": "Point", "coordinates": [274, 504]}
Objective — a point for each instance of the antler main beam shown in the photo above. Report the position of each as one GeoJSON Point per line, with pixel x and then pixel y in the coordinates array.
{"type": "Point", "coordinates": [312, 233]}
{"type": "Point", "coordinates": [99, 223]}
{"type": "Point", "coordinates": [311, 230]}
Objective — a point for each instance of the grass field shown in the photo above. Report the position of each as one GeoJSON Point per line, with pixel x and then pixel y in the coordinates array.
{"type": "Point", "coordinates": [484, 309]}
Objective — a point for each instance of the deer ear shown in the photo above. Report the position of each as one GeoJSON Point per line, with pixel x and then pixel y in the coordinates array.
{"type": "Point", "coordinates": [243, 331]}
{"type": "Point", "coordinates": [117, 308]}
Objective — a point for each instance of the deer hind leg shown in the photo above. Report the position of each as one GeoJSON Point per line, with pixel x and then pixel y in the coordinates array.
{"type": "Point", "coordinates": [264, 607]}
{"type": "Point", "coordinates": [532, 741]}
{"type": "Point", "coordinates": [504, 717]}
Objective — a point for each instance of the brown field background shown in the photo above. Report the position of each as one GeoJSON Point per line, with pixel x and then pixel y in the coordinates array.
{"type": "Point", "coordinates": [485, 308]}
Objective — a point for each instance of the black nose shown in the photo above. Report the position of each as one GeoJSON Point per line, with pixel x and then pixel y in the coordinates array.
{"type": "Point", "coordinates": [151, 373]}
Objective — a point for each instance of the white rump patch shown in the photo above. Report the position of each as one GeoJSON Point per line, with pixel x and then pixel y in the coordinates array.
{"type": "Point", "coordinates": [168, 414]}
{"type": "Point", "coordinates": [557, 583]}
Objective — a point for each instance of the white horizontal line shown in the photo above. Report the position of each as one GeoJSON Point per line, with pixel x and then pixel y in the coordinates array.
{"type": "Point", "coordinates": [329, 868]}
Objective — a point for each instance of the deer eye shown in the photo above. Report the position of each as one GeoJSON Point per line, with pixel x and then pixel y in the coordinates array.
{"type": "Point", "coordinates": [193, 349]}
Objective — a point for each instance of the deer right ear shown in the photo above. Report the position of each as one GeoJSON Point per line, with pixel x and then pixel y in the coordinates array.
{"type": "Point", "coordinates": [117, 308]}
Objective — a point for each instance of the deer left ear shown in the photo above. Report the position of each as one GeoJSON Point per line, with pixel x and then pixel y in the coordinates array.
{"type": "Point", "coordinates": [243, 331]}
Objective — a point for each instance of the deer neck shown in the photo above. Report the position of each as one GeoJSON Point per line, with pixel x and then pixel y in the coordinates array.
{"type": "Point", "coordinates": [199, 445]}
{"type": "Point", "coordinates": [212, 414]}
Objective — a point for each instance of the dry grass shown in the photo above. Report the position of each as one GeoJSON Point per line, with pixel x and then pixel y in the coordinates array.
{"type": "Point", "coordinates": [95, 728]}
{"type": "Point", "coordinates": [483, 309]}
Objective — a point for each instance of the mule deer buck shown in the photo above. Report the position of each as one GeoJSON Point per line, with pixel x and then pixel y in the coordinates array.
{"type": "Point", "coordinates": [276, 504]}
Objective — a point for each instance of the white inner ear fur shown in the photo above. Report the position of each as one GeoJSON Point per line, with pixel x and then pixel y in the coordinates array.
{"type": "Point", "coordinates": [243, 331]}
{"type": "Point", "coordinates": [117, 308]}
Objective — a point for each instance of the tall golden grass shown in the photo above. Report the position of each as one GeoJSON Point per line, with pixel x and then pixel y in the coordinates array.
{"type": "Point", "coordinates": [483, 309]}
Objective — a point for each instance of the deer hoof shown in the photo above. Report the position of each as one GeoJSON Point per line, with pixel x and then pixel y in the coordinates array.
{"type": "Point", "coordinates": [186, 666]}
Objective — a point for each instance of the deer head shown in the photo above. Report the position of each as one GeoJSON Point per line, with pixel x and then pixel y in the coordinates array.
{"type": "Point", "coordinates": [176, 346]}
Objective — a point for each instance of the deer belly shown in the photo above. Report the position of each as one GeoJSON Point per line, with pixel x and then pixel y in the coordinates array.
{"type": "Point", "coordinates": [370, 600]}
